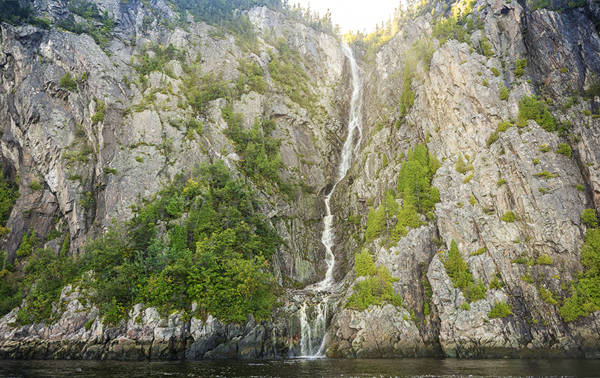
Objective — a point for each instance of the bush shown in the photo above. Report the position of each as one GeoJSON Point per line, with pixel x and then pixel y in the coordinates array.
{"type": "Point", "coordinates": [544, 259]}
{"type": "Point", "coordinates": [585, 291]}
{"type": "Point", "coordinates": [486, 47]}
{"type": "Point", "coordinates": [530, 107]}
{"type": "Point", "coordinates": [495, 71]}
{"type": "Point", "coordinates": [547, 296]}
{"type": "Point", "coordinates": [363, 264]}
{"type": "Point", "coordinates": [461, 276]}
{"type": "Point", "coordinates": [520, 65]}
{"type": "Point", "coordinates": [500, 310]}
{"type": "Point", "coordinates": [504, 93]}
{"type": "Point", "coordinates": [8, 196]}
{"type": "Point", "coordinates": [462, 166]}
{"type": "Point", "coordinates": [564, 149]}
{"type": "Point", "coordinates": [547, 175]}
{"type": "Point", "coordinates": [589, 218]}
{"type": "Point", "coordinates": [375, 289]}
{"type": "Point", "coordinates": [503, 126]}
{"type": "Point", "coordinates": [100, 109]}
{"type": "Point", "coordinates": [509, 217]}
{"type": "Point", "coordinates": [492, 138]}
{"type": "Point", "coordinates": [68, 83]}
{"type": "Point", "coordinates": [375, 223]}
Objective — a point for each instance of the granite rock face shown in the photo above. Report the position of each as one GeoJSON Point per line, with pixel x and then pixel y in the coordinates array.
{"type": "Point", "coordinates": [48, 136]}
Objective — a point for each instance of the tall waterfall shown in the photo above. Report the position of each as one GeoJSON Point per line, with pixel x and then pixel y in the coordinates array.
{"type": "Point", "coordinates": [310, 333]}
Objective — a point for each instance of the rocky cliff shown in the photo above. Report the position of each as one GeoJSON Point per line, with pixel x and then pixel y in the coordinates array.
{"type": "Point", "coordinates": [489, 254]}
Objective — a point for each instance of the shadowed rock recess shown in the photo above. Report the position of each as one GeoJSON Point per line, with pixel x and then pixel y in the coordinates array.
{"type": "Point", "coordinates": [165, 165]}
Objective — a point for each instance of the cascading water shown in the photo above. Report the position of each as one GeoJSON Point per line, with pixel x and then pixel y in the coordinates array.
{"type": "Point", "coordinates": [311, 333]}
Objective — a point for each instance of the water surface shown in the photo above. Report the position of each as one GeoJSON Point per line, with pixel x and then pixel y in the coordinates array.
{"type": "Point", "coordinates": [304, 368]}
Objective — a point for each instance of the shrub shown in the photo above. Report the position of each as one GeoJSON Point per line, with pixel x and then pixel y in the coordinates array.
{"type": "Point", "coordinates": [486, 47]}
{"type": "Point", "coordinates": [520, 65]}
{"type": "Point", "coordinates": [547, 296]}
{"type": "Point", "coordinates": [461, 276]}
{"type": "Point", "coordinates": [500, 182]}
{"type": "Point", "coordinates": [504, 93]}
{"type": "Point", "coordinates": [363, 264]}
{"type": "Point", "coordinates": [462, 166]}
{"type": "Point", "coordinates": [8, 196]}
{"type": "Point", "coordinates": [580, 188]}
{"type": "Point", "coordinates": [544, 148]}
{"type": "Point", "coordinates": [478, 252]}
{"type": "Point", "coordinates": [100, 109]}
{"type": "Point", "coordinates": [585, 291]}
{"type": "Point", "coordinates": [509, 217]}
{"type": "Point", "coordinates": [375, 289]}
{"type": "Point", "coordinates": [500, 310]}
{"type": "Point", "coordinates": [495, 71]}
{"type": "Point", "coordinates": [547, 175]}
{"type": "Point", "coordinates": [496, 282]}
{"type": "Point", "coordinates": [530, 107]}
{"type": "Point", "coordinates": [503, 126]}
{"type": "Point", "coordinates": [492, 138]}
{"type": "Point", "coordinates": [34, 185]}
{"type": "Point", "coordinates": [67, 82]}
{"type": "Point", "coordinates": [544, 259]}
{"type": "Point", "coordinates": [589, 218]}
{"type": "Point", "coordinates": [564, 149]}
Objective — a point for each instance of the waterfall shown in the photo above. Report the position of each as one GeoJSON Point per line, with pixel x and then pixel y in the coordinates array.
{"type": "Point", "coordinates": [316, 332]}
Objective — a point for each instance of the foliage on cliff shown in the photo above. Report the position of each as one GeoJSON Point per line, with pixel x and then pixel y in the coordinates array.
{"type": "Point", "coordinates": [585, 290]}
{"type": "Point", "coordinates": [418, 197]}
{"type": "Point", "coordinates": [376, 286]}
{"type": "Point", "coordinates": [200, 240]}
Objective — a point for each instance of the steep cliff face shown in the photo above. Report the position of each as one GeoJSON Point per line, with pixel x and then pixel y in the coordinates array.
{"type": "Point", "coordinates": [482, 183]}
{"type": "Point", "coordinates": [485, 254]}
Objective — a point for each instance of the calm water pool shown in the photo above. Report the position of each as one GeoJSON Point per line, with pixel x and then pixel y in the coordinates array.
{"type": "Point", "coordinates": [303, 368]}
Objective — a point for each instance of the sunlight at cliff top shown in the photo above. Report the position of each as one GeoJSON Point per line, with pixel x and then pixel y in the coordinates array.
{"type": "Point", "coordinates": [354, 14]}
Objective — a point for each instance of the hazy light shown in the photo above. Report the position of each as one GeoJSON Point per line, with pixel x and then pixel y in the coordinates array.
{"type": "Point", "coordinates": [353, 14]}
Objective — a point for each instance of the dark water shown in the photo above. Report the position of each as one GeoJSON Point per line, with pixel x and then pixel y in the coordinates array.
{"type": "Point", "coordinates": [303, 368]}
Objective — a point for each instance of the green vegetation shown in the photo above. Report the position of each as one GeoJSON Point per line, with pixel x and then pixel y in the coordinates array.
{"type": "Point", "coordinates": [67, 82]}
{"type": "Point", "coordinates": [478, 252]}
{"type": "Point", "coordinates": [589, 218]}
{"type": "Point", "coordinates": [14, 13]}
{"type": "Point", "coordinates": [463, 166]}
{"type": "Point", "coordinates": [547, 175]}
{"type": "Point", "coordinates": [520, 65]}
{"type": "Point", "coordinates": [486, 47]}
{"type": "Point", "coordinates": [461, 275]}
{"type": "Point", "coordinates": [544, 259]}
{"type": "Point", "coordinates": [155, 57]}
{"type": "Point", "coordinates": [9, 192]}
{"type": "Point", "coordinates": [100, 110]}
{"type": "Point", "coordinates": [214, 252]}
{"type": "Point", "coordinates": [564, 149]}
{"type": "Point", "coordinates": [251, 78]}
{"type": "Point", "coordinates": [258, 149]}
{"type": "Point", "coordinates": [504, 93]}
{"type": "Point", "coordinates": [503, 126]}
{"type": "Point", "coordinates": [376, 289]}
{"type": "Point", "coordinates": [418, 197]}
{"type": "Point", "coordinates": [420, 51]}
{"type": "Point", "coordinates": [585, 290]}
{"type": "Point", "coordinates": [289, 75]}
{"type": "Point", "coordinates": [547, 296]}
{"type": "Point", "coordinates": [496, 282]}
{"type": "Point", "coordinates": [530, 107]}
{"type": "Point", "coordinates": [509, 217]}
{"type": "Point", "coordinates": [35, 185]}
{"type": "Point", "coordinates": [492, 138]}
{"type": "Point", "coordinates": [495, 71]}
{"type": "Point", "coordinates": [500, 310]}
{"type": "Point", "coordinates": [98, 25]}
{"type": "Point", "coordinates": [544, 148]}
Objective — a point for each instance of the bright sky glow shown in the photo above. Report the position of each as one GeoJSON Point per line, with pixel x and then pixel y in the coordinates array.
{"type": "Point", "coordinates": [353, 14]}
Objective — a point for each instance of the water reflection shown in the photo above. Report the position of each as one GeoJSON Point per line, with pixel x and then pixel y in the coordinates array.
{"type": "Point", "coordinates": [304, 368]}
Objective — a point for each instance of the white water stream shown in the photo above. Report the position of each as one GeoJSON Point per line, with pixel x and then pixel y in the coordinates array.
{"type": "Point", "coordinates": [310, 333]}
